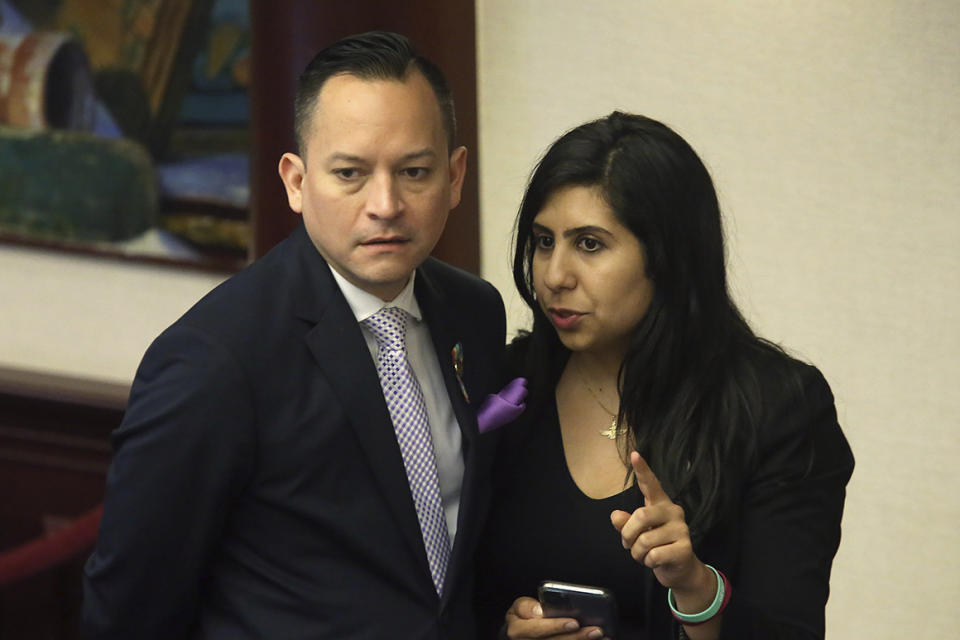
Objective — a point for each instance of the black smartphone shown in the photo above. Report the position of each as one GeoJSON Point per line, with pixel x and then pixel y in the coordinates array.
{"type": "Point", "coordinates": [590, 606]}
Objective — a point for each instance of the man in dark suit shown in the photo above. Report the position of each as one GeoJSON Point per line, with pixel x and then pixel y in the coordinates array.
{"type": "Point", "coordinates": [262, 485]}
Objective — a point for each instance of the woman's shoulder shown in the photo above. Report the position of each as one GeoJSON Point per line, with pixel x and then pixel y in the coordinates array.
{"type": "Point", "coordinates": [538, 359]}
{"type": "Point", "coordinates": [516, 352]}
{"type": "Point", "coordinates": [780, 378]}
{"type": "Point", "coordinates": [792, 407]}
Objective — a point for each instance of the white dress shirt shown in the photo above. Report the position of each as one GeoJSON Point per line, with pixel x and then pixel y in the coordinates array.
{"type": "Point", "coordinates": [423, 360]}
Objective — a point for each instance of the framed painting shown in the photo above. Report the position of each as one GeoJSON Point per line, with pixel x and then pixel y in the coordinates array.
{"type": "Point", "coordinates": [141, 173]}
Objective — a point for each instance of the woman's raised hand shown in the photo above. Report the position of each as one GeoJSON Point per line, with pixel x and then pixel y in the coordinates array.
{"type": "Point", "coordinates": [657, 535]}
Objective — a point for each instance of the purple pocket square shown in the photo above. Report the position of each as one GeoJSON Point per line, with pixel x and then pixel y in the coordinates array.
{"type": "Point", "coordinates": [503, 407]}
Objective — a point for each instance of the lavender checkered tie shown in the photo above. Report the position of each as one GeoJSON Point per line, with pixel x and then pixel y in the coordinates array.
{"type": "Point", "coordinates": [410, 422]}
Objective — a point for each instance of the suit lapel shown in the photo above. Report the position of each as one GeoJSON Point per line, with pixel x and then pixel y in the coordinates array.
{"type": "Point", "coordinates": [436, 312]}
{"type": "Point", "coordinates": [443, 334]}
{"type": "Point", "coordinates": [341, 353]}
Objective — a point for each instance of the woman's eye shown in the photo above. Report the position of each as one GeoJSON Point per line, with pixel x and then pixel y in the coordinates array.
{"type": "Point", "coordinates": [590, 245]}
{"type": "Point", "coordinates": [543, 241]}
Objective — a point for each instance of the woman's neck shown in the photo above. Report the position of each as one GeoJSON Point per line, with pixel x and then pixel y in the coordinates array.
{"type": "Point", "coordinates": [598, 370]}
{"type": "Point", "coordinates": [596, 376]}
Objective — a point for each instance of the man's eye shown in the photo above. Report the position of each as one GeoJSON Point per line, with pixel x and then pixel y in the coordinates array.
{"type": "Point", "coordinates": [590, 245]}
{"type": "Point", "coordinates": [415, 172]}
{"type": "Point", "coordinates": [347, 173]}
{"type": "Point", "coordinates": [543, 241]}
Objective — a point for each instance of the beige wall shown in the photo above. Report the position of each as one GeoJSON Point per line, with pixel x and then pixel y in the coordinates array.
{"type": "Point", "coordinates": [87, 317]}
{"type": "Point", "coordinates": [832, 130]}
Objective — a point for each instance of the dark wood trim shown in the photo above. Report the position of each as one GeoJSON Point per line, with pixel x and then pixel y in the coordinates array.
{"type": "Point", "coordinates": [62, 389]}
{"type": "Point", "coordinates": [54, 450]}
{"type": "Point", "coordinates": [57, 424]}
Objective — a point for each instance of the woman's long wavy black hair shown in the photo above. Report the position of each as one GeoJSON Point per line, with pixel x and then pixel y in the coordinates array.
{"type": "Point", "coordinates": [687, 390]}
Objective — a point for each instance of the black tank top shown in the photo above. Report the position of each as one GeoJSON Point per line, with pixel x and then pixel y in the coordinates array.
{"type": "Point", "coordinates": [542, 527]}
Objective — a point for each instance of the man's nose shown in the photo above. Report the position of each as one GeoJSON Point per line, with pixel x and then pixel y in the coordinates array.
{"type": "Point", "coordinates": [383, 197]}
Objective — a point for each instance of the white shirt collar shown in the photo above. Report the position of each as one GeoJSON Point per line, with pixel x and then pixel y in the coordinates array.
{"type": "Point", "coordinates": [365, 304]}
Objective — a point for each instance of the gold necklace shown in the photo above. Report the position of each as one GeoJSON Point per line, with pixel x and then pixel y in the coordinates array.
{"type": "Point", "coordinates": [613, 431]}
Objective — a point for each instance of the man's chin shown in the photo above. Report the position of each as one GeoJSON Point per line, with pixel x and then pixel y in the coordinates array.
{"type": "Point", "coordinates": [386, 283]}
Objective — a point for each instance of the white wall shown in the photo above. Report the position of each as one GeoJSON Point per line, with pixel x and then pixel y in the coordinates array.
{"type": "Point", "coordinates": [87, 317]}
{"type": "Point", "coordinates": [832, 130]}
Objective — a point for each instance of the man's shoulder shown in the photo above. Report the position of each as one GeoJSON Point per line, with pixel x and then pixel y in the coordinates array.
{"type": "Point", "coordinates": [252, 301]}
{"type": "Point", "coordinates": [436, 268]}
{"type": "Point", "coordinates": [454, 282]}
{"type": "Point", "coordinates": [250, 288]}
{"type": "Point", "coordinates": [462, 298]}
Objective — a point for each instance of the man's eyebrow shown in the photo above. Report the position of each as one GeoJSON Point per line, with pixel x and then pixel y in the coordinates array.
{"type": "Point", "coordinates": [420, 154]}
{"type": "Point", "coordinates": [423, 154]}
{"type": "Point", "coordinates": [587, 228]}
{"type": "Point", "coordinates": [346, 157]}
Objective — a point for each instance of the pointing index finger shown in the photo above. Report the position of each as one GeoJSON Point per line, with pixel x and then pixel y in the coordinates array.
{"type": "Point", "coordinates": [647, 481]}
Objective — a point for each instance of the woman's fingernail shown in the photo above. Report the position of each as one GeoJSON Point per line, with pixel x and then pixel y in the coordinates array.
{"type": "Point", "coordinates": [538, 611]}
{"type": "Point", "coordinates": [571, 626]}
{"type": "Point", "coordinates": [596, 633]}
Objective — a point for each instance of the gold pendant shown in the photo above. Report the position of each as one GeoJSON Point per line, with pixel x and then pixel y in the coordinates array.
{"type": "Point", "coordinates": [611, 432]}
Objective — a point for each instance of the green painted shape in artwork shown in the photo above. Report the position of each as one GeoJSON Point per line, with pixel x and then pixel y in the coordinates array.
{"type": "Point", "coordinates": [75, 186]}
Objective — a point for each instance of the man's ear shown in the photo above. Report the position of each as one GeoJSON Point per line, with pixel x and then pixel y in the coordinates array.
{"type": "Point", "coordinates": [292, 170]}
{"type": "Point", "coordinates": [458, 169]}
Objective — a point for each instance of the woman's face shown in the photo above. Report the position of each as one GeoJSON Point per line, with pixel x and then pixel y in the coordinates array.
{"type": "Point", "coordinates": [589, 272]}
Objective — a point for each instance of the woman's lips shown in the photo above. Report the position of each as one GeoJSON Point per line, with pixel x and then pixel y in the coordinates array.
{"type": "Point", "coordinates": [564, 319]}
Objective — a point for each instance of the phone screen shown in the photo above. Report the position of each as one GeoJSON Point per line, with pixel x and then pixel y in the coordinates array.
{"type": "Point", "coordinates": [590, 606]}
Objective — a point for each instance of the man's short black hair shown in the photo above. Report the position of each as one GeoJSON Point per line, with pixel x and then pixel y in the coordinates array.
{"type": "Point", "coordinates": [375, 55]}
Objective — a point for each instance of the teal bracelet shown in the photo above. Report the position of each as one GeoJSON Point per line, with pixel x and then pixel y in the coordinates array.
{"type": "Point", "coordinates": [706, 614]}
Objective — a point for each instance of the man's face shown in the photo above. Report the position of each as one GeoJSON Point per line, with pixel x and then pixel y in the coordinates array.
{"type": "Point", "coordinates": [376, 184]}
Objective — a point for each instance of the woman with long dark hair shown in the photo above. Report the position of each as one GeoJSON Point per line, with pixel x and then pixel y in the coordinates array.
{"type": "Point", "coordinates": [667, 453]}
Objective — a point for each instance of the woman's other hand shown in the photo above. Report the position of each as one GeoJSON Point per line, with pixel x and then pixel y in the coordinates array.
{"type": "Point", "coordinates": [525, 620]}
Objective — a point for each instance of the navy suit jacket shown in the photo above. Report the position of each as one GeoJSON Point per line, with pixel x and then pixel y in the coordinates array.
{"type": "Point", "coordinates": [257, 488]}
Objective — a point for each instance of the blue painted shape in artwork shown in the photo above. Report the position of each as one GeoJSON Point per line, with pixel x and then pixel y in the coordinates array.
{"type": "Point", "coordinates": [11, 21]}
{"type": "Point", "coordinates": [222, 179]}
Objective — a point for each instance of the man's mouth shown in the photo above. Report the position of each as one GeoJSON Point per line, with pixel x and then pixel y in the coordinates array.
{"type": "Point", "coordinates": [385, 241]}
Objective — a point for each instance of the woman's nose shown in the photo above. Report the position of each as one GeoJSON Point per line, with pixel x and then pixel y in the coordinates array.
{"type": "Point", "coordinates": [558, 273]}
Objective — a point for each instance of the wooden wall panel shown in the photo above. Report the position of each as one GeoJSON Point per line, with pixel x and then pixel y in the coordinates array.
{"type": "Point", "coordinates": [54, 454]}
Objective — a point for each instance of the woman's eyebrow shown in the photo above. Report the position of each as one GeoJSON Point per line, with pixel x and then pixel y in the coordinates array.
{"type": "Point", "coordinates": [542, 229]}
{"type": "Point", "coordinates": [587, 228]}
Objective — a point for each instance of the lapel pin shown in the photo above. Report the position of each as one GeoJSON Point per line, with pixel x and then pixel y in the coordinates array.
{"type": "Point", "coordinates": [457, 354]}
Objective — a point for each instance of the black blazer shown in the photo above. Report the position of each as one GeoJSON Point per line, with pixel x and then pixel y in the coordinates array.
{"type": "Point", "coordinates": [257, 489]}
{"type": "Point", "coordinates": [775, 541]}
